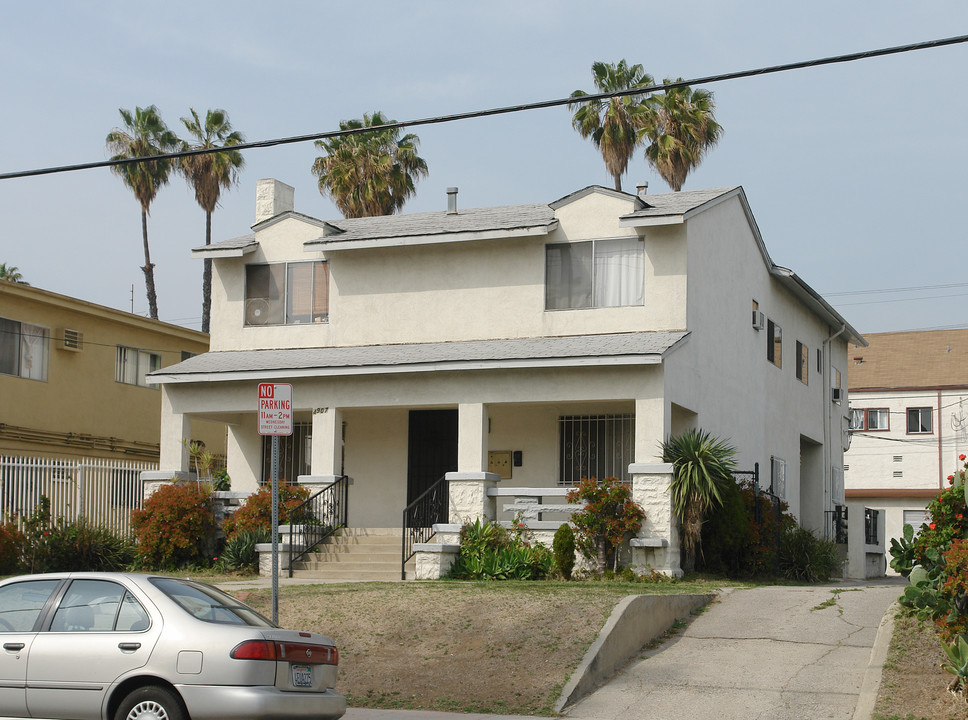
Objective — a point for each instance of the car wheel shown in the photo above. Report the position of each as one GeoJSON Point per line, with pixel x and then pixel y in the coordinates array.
{"type": "Point", "coordinates": [151, 703]}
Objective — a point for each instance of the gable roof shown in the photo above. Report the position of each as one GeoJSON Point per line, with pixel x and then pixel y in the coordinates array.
{"type": "Point", "coordinates": [918, 359]}
{"type": "Point", "coordinates": [676, 207]}
{"type": "Point", "coordinates": [436, 227]}
{"type": "Point", "coordinates": [640, 348]}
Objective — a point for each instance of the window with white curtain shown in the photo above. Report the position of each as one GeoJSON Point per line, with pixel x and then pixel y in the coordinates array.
{"type": "Point", "coordinates": [596, 273]}
{"type": "Point", "coordinates": [24, 349]}
{"type": "Point", "coordinates": [133, 365]}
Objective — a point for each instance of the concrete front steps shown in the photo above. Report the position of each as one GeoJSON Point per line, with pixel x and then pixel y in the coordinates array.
{"type": "Point", "coordinates": [356, 554]}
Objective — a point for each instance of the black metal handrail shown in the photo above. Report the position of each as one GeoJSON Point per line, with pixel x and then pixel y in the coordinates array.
{"type": "Point", "coordinates": [420, 516]}
{"type": "Point", "coordinates": [318, 517]}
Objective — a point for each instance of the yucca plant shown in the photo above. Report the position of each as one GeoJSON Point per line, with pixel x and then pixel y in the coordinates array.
{"type": "Point", "coordinates": [957, 664]}
{"type": "Point", "coordinates": [702, 468]}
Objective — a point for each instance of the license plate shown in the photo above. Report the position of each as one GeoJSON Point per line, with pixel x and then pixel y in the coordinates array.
{"type": "Point", "coordinates": [302, 676]}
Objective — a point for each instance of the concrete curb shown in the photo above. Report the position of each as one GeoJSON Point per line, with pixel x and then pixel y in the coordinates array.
{"type": "Point", "coordinates": [635, 622]}
{"type": "Point", "coordinates": [872, 678]}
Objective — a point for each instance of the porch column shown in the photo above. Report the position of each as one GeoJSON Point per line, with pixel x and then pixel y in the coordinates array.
{"type": "Point", "coordinates": [175, 429]}
{"type": "Point", "coordinates": [650, 429]}
{"type": "Point", "coordinates": [327, 444]}
{"type": "Point", "coordinates": [472, 429]}
{"type": "Point", "coordinates": [656, 547]}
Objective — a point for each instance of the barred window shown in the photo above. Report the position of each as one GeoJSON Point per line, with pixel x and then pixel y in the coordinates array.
{"type": "Point", "coordinates": [598, 446]}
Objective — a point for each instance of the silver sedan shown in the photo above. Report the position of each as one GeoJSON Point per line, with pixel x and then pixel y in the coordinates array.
{"type": "Point", "coordinates": [121, 646]}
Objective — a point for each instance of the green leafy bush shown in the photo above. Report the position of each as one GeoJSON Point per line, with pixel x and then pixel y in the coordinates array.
{"type": "Point", "coordinates": [563, 547]}
{"type": "Point", "coordinates": [736, 543]}
{"type": "Point", "coordinates": [805, 557]}
{"type": "Point", "coordinates": [489, 551]}
{"type": "Point", "coordinates": [239, 553]}
{"type": "Point", "coordinates": [78, 545]}
{"type": "Point", "coordinates": [175, 527]}
{"type": "Point", "coordinates": [607, 518]}
{"type": "Point", "coordinates": [903, 553]}
{"type": "Point", "coordinates": [256, 514]}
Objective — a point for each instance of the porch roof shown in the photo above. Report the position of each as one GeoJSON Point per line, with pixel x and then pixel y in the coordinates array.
{"type": "Point", "coordinates": [641, 348]}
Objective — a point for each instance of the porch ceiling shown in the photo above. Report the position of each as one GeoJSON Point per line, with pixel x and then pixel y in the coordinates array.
{"type": "Point", "coordinates": [644, 348]}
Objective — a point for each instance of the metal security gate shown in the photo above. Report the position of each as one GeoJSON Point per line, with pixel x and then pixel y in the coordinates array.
{"type": "Point", "coordinates": [103, 492]}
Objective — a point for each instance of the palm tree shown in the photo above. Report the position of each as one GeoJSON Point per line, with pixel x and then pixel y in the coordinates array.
{"type": "Point", "coordinates": [144, 135]}
{"type": "Point", "coordinates": [12, 274]}
{"type": "Point", "coordinates": [613, 124]}
{"type": "Point", "coordinates": [369, 173]}
{"type": "Point", "coordinates": [207, 175]}
{"type": "Point", "coordinates": [681, 131]}
{"type": "Point", "coordinates": [702, 467]}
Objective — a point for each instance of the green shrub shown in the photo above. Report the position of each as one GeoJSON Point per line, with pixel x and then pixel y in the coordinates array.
{"type": "Point", "coordinates": [256, 514]}
{"type": "Point", "coordinates": [221, 481]}
{"type": "Point", "coordinates": [489, 551]}
{"type": "Point", "coordinates": [175, 527]}
{"type": "Point", "coordinates": [239, 553]}
{"type": "Point", "coordinates": [949, 520]}
{"type": "Point", "coordinates": [563, 547]}
{"type": "Point", "coordinates": [738, 545]}
{"type": "Point", "coordinates": [12, 542]}
{"type": "Point", "coordinates": [78, 545]}
{"type": "Point", "coordinates": [805, 557]}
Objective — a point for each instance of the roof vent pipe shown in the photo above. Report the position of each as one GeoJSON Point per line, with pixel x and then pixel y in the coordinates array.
{"type": "Point", "coordinates": [451, 201]}
{"type": "Point", "coordinates": [642, 189]}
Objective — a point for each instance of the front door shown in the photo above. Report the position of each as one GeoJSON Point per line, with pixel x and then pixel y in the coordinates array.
{"type": "Point", "coordinates": [432, 450]}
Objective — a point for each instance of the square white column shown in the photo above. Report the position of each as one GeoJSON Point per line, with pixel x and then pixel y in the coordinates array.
{"type": "Point", "coordinates": [472, 429]}
{"type": "Point", "coordinates": [327, 443]}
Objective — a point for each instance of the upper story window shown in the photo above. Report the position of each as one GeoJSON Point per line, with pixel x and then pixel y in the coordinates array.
{"type": "Point", "coordinates": [869, 419]}
{"type": "Point", "coordinates": [803, 362]}
{"type": "Point", "coordinates": [24, 349]}
{"type": "Point", "coordinates": [293, 293]}
{"type": "Point", "coordinates": [597, 273]}
{"type": "Point", "coordinates": [919, 420]}
{"type": "Point", "coordinates": [774, 343]}
{"type": "Point", "coordinates": [133, 365]}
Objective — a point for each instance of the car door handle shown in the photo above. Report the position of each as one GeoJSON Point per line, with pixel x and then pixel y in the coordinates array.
{"type": "Point", "coordinates": [13, 647]}
{"type": "Point", "coordinates": [129, 647]}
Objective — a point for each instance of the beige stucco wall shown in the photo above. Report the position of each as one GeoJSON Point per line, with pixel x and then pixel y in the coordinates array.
{"type": "Point", "coordinates": [81, 395]}
{"type": "Point", "coordinates": [450, 291]}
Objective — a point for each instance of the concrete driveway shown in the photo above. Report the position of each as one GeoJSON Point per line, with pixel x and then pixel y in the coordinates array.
{"type": "Point", "coordinates": [782, 653]}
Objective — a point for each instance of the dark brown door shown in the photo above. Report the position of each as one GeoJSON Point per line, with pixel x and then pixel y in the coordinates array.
{"type": "Point", "coordinates": [432, 449]}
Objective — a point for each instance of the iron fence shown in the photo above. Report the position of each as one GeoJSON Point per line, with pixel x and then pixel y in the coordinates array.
{"type": "Point", "coordinates": [432, 506]}
{"type": "Point", "coordinates": [102, 492]}
{"type": "Point", "coordinates": [320, 516]}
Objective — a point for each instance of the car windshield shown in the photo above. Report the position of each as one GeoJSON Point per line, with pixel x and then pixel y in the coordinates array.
{"type": "Point", "coordinates": [209, 604]}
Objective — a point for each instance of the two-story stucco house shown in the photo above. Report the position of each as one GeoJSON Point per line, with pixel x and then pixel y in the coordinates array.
{"type": "Point", "coordinates": [541, 342]}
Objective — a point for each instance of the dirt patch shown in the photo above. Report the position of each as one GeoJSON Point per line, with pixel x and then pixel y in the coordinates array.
{"type": "Point", "coordinates": [913, 684]}
{"type": "Point", "coordinates": [497, 647]}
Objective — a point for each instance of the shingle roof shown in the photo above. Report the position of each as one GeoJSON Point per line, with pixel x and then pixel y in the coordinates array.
{"type": "Point", "coordinates": [395, 358]}
{"type": "Point", "coordinates": [922, 359]}
{"type": "Point", "coordinates": [510, 217]}
{"type": "Point", "coordinates": [678, 203]}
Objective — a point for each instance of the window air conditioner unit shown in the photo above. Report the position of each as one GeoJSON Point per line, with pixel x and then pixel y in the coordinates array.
{"type": "Point", "coordinates": [256, 311]}
{"type": "Point", "coordinates": [758, 320]}
{"type": "Point", "coordinates": [836, 394]}
{"type": "Point", "coordinates": [71, 340]}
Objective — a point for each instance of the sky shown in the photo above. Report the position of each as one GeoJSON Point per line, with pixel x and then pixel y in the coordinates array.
{"type": "Point", "coordinates": [855, 173]}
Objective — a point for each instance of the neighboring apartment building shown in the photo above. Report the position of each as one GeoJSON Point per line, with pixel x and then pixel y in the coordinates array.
{"type": "Point", "coordinates": [909, 421]}
{"type": "Point", "coordinates": [548, 341]}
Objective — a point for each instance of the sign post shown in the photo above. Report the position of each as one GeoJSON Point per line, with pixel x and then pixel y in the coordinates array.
{"type": "Point", "coordinates": [275, 419]}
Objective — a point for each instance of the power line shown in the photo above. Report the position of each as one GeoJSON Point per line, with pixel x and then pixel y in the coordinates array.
{"type": "Point", "coordinates": [915, 288]}
{"type": "Point", "coordinates": [439, 119]}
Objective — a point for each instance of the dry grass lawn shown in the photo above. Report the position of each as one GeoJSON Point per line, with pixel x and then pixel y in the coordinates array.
{"type": "Point", "coordinates": [501, 647]}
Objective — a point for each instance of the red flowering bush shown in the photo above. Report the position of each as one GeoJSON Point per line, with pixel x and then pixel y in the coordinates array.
{"type": "Point", "coordinates": [608, 517]}
{"type": "Point", "coordinates": [12, 542]}
{"type": "Point", "coordinates": [175, 527]}
{"type": "Point", "coordinates": [256, 514]}
{"type": "Point", "coordinates": [947, 512]}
